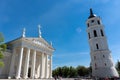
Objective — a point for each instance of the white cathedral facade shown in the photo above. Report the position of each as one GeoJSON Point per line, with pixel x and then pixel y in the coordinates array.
{"type": "Point", "coordinates": [101, 59]}
{"type": "Point", "coordinates": [28, 57]}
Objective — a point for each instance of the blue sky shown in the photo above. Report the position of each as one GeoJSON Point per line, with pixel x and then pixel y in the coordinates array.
{"type": "Point", "coordinates": [63, 23]}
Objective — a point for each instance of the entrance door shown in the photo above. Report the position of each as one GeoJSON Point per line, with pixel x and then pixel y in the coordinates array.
{"type": "Point", "coordinates": [29, 72]}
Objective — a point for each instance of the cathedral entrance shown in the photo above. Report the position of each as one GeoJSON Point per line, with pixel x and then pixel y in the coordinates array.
{"type": "Point", "coordinates": [29, 72]}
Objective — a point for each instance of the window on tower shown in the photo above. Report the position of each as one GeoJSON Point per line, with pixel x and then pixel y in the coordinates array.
{"type": "Point", "coordinates": [92, 21]}
{"type": "Point", "coordinates": [103, 56]}
{"type": "Point", "coordinates": [101, 32]}
{"type": "Point", "coordinates": [97, 47]}
{"type": "Point", "coordinates": [95, 33]}
{"type": "Point", "coordinates": [105, 64]}
{"type": "Point", "coordinates": [88, 24]}
{"type": "Point", "coordinates": [98, 22]}
{"type": "Point", "coordinates": [89, 35]}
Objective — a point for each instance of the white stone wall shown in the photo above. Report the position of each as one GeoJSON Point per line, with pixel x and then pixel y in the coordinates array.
{"type": "Point", "coordinates": [4, 71]}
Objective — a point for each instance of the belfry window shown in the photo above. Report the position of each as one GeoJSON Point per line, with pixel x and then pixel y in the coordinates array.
{"type": "Point", "coordinates": [95, 33]}
{"type": "Point", "coordinates": [92, 21]}
{"type": "Point", "coordinates": [101, 32]}
{"type": "Point", "coordinates": [88, 24]}
{"type": "Point", "coordinates": [103, 56]}
{"type": "Point", "coordinates": [105, 64]}
{"type": "Point", "coordinates": [89, 35]}
{"type": "Point", "coordinates": [97, 47]}
{"type": "Point", "coordinates": [98, 22]}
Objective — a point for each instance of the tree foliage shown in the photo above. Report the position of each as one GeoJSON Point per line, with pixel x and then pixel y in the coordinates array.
{"type": "Point", "coordinates": [2, 49]}
{"type": "Point", "coordinates": [118, 66]}
{"type": "Point", "coordinates": [71, 72]}
{"type": "Point", "coordinates": [82, 71]}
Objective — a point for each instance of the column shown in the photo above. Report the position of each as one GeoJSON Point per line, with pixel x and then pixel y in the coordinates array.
{"type": "Point", "coordinates": [12, 64]}
{"type": "Point", "coordinates": [26, 65]}
{"type": "Point", "coordinates": [50, 72]}
{"type": "Point", "coordinates": [42, 66]}
{"type": "Point", "coordinates": [33, 65]}
{"type": "Point", "coordinates": [19, 63]}
{"type": "Point", "coordinates": [46, 66]}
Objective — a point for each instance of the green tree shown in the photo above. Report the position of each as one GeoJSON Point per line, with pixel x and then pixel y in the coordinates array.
{"type": "Point", "coordinates": [72, 72]}
{"type": "Point", "coordinates": [65, 72]}
{"type": "Point", "coordinates": [2, 49]}
{"type": "Point", "coordinates": [57, 72]}
{"type": "Point", "coordinates": [118, 66]}
{"type": "Point", "coordinates": [82, 71]}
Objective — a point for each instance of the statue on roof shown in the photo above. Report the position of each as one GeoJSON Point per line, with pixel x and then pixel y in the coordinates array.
{"type": "Point", "coordinates": [39, 31]}
{"type": "Point", "coordinates": [23, 34]}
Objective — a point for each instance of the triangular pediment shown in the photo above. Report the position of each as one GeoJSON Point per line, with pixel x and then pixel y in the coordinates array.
{"type": "Point", "coordinates": [35, 41]}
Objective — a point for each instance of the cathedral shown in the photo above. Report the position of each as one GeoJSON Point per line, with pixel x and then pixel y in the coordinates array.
{"type": "Point", "coordinates": [28, 58]}
{"type": "Point", "coordinates": [31, 57]}
{"type": "Point", "coordinates": [101, 59]}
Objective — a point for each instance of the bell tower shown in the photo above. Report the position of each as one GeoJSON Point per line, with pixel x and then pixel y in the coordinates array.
{"type": "Point", "coordinates": [101, 60]}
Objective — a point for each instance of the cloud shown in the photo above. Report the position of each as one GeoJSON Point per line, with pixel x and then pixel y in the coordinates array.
{"type": "Point", "coordinates": [78, 30]}
{"type": "Point", "coordinates": [104, 1]}
{"type": "Point", "coordinates": [68, 54]}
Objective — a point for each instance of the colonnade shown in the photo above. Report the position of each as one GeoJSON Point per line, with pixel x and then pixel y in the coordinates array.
{"type": "Point", "coordinates": [45, 62]}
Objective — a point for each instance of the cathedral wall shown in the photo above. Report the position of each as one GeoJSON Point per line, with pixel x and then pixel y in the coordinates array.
{"type": "Point", "coordinates": [5, 70]}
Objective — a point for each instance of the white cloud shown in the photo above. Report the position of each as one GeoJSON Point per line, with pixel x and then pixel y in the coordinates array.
{"type": "Point", "coordinates": [104, 1]}
{"type": "Point", "coordinates": [67, 54]}
{"type": "Point", "coordinates": [78, 30]}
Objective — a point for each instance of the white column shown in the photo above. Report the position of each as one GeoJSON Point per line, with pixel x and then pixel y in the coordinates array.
{"type": "Point", "coordinates": [19, 63]}
{"type": "Point", "coordinates": [50, 72]}
{"type": "Point", "coordinates": [26, 65]}
{"type": "Point", "coordinates": [33, 65]}
{"type": "Point", "coordinates": [46, 66]}
{"type": "Point", "coordinates": [11, 74]}
{"type": "Point", "coordinates": [42, 66]}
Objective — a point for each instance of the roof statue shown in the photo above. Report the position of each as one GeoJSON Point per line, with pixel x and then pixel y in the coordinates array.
{"type": "Point", "coordinates": [39, 31]}
{"type": "Point", "coordinates": [23, 34]}
{"type": "Point", "coordinates": [51, 43]}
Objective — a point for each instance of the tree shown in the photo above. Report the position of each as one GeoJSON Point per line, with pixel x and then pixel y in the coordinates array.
{"type": "Point", "coordinates": [2, 49]}
{"type": "Point", "coordinates": [118, 66]}
{"type": "Point", "coordinates": [72, 72]}
{"type": "Point", "coordinates": [65, 72]}
{"type": "Point", "coordinates": [82, 71]}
